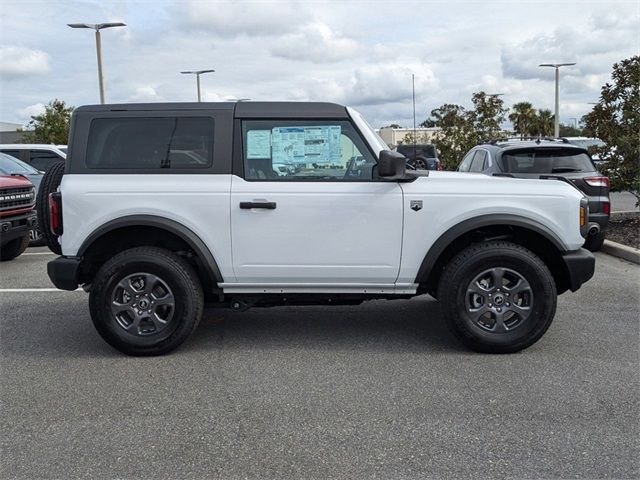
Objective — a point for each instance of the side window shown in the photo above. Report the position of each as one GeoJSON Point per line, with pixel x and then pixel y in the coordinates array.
{"type": "Point", "coordinates": [281, 150]}
{"type": "Point", "coordinates": [466, 162]}
{"type": "Point", "coordinates": [13, 153]}
{"type": "Point", "coordinates": [477, 165]}
{"type": "Point", "coordinates": [151, 143]}
{"type": "Point", "coordinates": [43, 159]}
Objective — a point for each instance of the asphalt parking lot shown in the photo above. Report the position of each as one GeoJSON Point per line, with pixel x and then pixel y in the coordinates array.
{"type": "Point", "coordinates": [380, 390]}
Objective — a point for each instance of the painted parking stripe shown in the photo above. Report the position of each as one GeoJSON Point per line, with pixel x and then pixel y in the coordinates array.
{"type": "Point", "coordinates": [9, 290]}
{"type": "Point", "coordinates": [39, 253]}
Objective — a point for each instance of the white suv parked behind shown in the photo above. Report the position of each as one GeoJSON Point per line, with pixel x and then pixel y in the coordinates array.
{"type": "Point", "coordinates": [165, 208]}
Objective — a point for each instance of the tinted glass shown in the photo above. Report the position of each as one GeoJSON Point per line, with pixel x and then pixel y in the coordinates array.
{"type": "Point", "coordinates": [546, 161]}
{"type": "Point", "coordinates": [151, 143]}
{"type": "Point", "coordinates": [9, 165]}
{"type": "Point", "coordinates": [428, 151]}
{"type": "Point", "coordinates": [466, 162]}
{"type": "Point", "coordinates": [13, 153]}
{"type": "Point", "coordinates": [304, 150]}
{"type": "Point", "coordinates": [477, 164]}
{"type": "Point", "coordinates": [43, 159]}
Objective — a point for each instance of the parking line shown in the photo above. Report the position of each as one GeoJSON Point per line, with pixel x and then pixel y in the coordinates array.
{"type": "Point", "coordinates": [9, 290]}
{"type": "Point", "coordinates": [39, 253]}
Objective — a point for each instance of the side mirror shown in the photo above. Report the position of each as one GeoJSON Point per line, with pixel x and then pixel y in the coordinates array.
{"type": "Point", "coordinates": [391, 165]}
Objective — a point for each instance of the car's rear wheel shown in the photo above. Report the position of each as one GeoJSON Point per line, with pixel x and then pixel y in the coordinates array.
{"type": "Point", "coordinates": [146, 301]}
{"type": "Point", "coordinates": [49, 184]}
{"type": "Point", "coordinates": [498, 297]}
{"type": "Point", "coordinates": [14, 248]}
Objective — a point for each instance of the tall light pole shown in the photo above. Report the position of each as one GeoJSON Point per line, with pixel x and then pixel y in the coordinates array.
{"type": "Point", "coordinates": [197, 73]}
{"type": "Point", "coordinates": [556, 126]}
{"type": "Point", "coordinates": [97, 27]}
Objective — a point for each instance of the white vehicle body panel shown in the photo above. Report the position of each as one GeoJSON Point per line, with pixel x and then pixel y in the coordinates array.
{"type": "Point", "coordinates": [450, 198]}
{"type": "Point", "coordinates": [199, 202]}
{"type": "Point", "coordinates": [320, 232]}
{"type": "Point", "coordinates": [35, 146]}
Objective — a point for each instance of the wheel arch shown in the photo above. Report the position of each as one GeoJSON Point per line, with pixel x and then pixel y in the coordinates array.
{"type": "Point", "coordinates": [125, 229]}
{"type": "Point", "coordinates": [525, 231]}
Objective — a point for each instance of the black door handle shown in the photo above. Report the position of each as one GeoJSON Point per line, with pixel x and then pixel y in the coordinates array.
{"type": "Point", "coordinates": [250, 205]}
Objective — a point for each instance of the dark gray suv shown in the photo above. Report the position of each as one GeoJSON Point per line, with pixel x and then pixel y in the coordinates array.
{"type": "Point", "coordinates": [545, 158]}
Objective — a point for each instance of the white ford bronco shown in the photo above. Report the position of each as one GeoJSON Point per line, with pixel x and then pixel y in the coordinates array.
{"type": "Point", "coordinates": [163, 209]}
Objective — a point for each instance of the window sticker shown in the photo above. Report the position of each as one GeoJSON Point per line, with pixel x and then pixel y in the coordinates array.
{"type": "Point", "coordinates": [258, 144]}
{"type": "Point", "coordinates": [306, 145]}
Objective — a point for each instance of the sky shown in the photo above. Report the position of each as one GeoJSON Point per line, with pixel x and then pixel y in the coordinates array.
{"type": "Point", "coordinates": [358, 53]}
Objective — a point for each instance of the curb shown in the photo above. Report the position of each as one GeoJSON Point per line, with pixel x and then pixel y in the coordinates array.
{"type": "Point", "coordinates": [621, 251]}
{"type": "Point", "coordinates": [624, 215]}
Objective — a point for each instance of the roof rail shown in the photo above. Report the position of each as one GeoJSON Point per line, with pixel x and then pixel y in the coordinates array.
{"type": "Point", "coordinates": [539, 139]}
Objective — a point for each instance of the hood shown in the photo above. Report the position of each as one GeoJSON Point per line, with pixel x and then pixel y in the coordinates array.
{"type": "Point", "coordinates": [14, 181]}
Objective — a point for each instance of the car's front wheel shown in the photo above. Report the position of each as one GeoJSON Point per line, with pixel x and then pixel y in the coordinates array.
{"type": "Point", "coordinates": [498, 297]}
{"type": "Point", "coordinates": [146, 301]}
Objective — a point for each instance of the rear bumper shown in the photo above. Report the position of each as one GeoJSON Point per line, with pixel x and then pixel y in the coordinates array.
{"type": "Point", "coordinates": [580, 266]}
{"type": "Point", "coordinates": [601, 219]}
{"type": "Point", "coordinates": [16, 227]}
{"type": "Point", "coordinates": [64, 272]}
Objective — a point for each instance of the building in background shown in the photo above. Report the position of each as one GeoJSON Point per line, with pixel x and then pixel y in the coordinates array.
{"type": "Point", "coordinates": [11, 132]}
{"type": "Point", "coordinates": [395, 136]}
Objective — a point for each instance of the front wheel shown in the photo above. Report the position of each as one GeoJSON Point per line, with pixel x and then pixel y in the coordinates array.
{"type": "Point", "coordinates": [146, 301]}
{"type": "Point", "coordinates": [498, 297]}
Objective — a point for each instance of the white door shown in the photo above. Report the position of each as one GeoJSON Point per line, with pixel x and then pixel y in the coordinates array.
{"type": "Point", "coordinates": [308, 210]}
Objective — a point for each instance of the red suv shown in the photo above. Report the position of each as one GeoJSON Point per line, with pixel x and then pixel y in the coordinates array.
{"type": "Point", "coordinates": [17, 215]}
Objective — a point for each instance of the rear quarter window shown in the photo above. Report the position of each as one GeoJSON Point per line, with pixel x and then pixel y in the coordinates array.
{"type": "Point", "coordinates": [150, 143]}
{"type": "Point", "coordinates": [545, 161]}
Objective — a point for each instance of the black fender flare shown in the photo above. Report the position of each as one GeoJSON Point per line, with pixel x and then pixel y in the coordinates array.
{"type": "Point", "coordinates": [171, 226]}
{"type": "Point", "coordinates": [474, 223]}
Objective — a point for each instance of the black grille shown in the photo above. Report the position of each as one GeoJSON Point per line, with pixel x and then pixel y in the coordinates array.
{"type": "Point", "coordinates": [15, 198]}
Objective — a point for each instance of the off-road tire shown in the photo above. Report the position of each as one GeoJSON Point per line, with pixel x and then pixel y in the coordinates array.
{"type": "Point", "coordinates": [594, 242]}
{"type": "Point", "coordinates": [459, 275]}
{"type": "Point", "coordinates": [178, 275]}
{"type": "Point", "coordinates": [14, 248]}
{"type": "Point", "coordinates": [49, 184]}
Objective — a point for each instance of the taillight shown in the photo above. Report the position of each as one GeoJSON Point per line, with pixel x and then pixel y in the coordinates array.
{"type": "Point", "coordinates": [597, 181]}
{"type": "Point", "coordinates": [606, 208]}
{"type": "Point", "coordinates": [55, 213]}
{"type": "Point", "coordinates": [439, 165]}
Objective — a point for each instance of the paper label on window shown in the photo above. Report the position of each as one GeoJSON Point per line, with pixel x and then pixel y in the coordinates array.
{"type": "Point", "coordinates": [258, 144]}
{"type": "Point", "coordinates": [308, 145]}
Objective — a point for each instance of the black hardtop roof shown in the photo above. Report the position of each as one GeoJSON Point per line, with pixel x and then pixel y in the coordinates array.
{"type": "Point", "coordinates": [241, 109]}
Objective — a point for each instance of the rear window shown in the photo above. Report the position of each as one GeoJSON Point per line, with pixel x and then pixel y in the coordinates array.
{"type": "Point", "coordinates": [151, 143]}
{"type": "Point", "coordinates": [546, 161]}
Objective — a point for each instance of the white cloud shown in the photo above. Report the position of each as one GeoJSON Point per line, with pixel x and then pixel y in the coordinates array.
{"type": "Point", "coordinates": [241, 17]}
{"type": "Point", "coordinates": [26, 113]}
{"type": "Point", "coordinates": [21, 61]}
{"type": "Point", "coordinates": [146, 94]}
{"type": "Point", "coordinates": [315, 43]}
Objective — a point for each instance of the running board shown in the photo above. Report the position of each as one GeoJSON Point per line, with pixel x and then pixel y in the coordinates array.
{"type": "Point", "coordinates": [329, 288]}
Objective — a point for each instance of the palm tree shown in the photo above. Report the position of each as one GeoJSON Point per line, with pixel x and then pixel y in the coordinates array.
{"type": "Point", "coordinates": [544, 123]}
{"type": "Point", "coordinates": [523, 118]}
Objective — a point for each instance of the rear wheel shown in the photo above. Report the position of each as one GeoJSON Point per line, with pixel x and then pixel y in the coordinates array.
{"type": "Point", "coordinates": [14, 248]}
{"type": "Point", "coordinates": [594, 242]}
{"type": "Point", "coordinates": [49, 184]}
{"type": "Point", "coordinates": [498, 297]}
{"type": "Point", "coordinates": [146, 301]}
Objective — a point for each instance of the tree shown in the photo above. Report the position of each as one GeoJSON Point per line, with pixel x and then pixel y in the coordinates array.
{"type": "Point", "coordinates": [615, 119]}
{"type": "Point", "coordinates": [523, 117]}
{"type": "Point", "coordinates": [457, 134]}
{"type": "Point", "coordinates": [570, 131]}
{"type": "Point", "coordinates": [393, 125]}
{"type": "Point", "coordinates": [462, 129]}
{"type": "Point", "coordinates": [52, 126]}
{"type": "Point", "coordinates": [543, 123]}
{"type": "Point", "coordinates": [410, 138]}
{"type": "Point", "coordinates": [428, 123]}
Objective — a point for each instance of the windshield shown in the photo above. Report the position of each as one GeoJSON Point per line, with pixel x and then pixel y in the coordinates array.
{"type": "Point", "coordinates": [546, 161]}
{"type": "Point", "coordinates": [9, 165]}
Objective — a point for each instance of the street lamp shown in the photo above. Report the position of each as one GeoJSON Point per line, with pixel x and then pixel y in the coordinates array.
{"type": "Point", "coordinates": [197, 73]}
{"type": "Point", "coordinates": [97, 27]}
{"type": "Point", "coordinates": [557, 66]}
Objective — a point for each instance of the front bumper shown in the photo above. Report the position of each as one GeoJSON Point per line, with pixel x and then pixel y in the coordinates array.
{"type": "Point", "coordinates": [64, 272]}
{"type": "Point", "coordinates": [580, 266]}
{"type": "Point", "coordinates": [16, 227]}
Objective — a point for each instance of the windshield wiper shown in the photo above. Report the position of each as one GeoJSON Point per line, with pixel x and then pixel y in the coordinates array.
{"type": "Point", "coordinates": [565, 170]}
